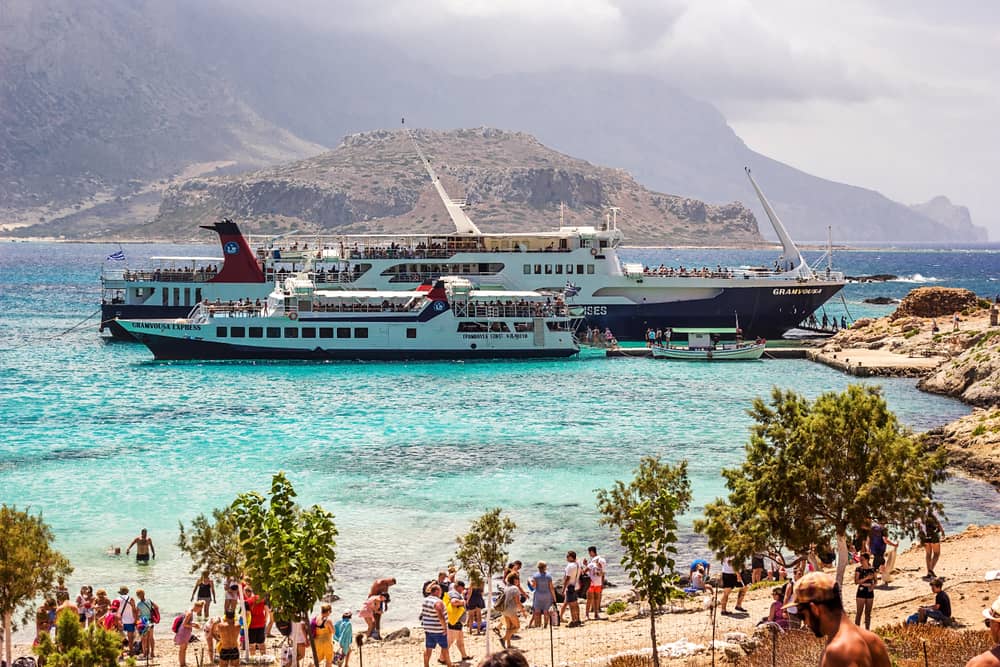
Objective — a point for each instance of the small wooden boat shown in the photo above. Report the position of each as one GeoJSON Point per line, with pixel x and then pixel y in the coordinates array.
{"type": "Point", "coordinates": [704, 344]}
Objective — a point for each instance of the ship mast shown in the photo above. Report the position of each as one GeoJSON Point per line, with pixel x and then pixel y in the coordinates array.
{"type": "Point", "coordinates": [788, 246]}
{"type": "Point", "coordinates": [455, 207]}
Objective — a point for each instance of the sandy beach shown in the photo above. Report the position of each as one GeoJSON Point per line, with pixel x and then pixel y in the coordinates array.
{"type": "Point", "coordinates": [965, 559]}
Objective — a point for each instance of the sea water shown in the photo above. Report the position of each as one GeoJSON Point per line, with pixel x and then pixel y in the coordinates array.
{"type": "Point", "coordinates": [104, 441]}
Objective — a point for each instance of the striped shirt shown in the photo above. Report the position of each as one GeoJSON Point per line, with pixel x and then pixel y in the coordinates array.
{"type": "Point", "coordinates": [429, 618]}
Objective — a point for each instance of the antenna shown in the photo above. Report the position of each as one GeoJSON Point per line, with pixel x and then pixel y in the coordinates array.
{"type": "Point", "coordinates": [614, 216]}
{"type": "Point", "coordinates": [829, 249]}
{"type": "Point", "coordinates": [455, 207]}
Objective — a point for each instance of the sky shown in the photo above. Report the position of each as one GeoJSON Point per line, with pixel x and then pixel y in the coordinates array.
{"type": "Point", "coordinates": [899, 96]}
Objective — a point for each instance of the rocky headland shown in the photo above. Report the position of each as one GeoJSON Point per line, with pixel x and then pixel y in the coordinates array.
{"type": "Point", "coordinates": [950, 339]}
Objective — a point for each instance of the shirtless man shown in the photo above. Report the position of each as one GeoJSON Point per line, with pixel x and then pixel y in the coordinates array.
{"type": "Point", "coordinates": [143, 547]}
{"type": "Point", "coordinates": [817, 597]}
{"type": "Point", "coordinates": [381, 587]}
{"type": "Point", "coordinates": [227, 633]}
{"type": "Point", "coordinates": [990, 658]}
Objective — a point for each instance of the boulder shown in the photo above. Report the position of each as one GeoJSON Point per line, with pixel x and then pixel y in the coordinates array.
{"type": "Point", "coordinates": [936, 302]}
{"type": "Point", "coordinates": [880, 300]}
{"type": "Point", "coordinates": [396, 635]}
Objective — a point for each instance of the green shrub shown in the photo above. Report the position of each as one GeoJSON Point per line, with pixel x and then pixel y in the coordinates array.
{"type": "Point", "coordinates": [74, 646]}
{"type": "Point", "coordinates": [979, 430]}
{"type": "Point", "coordinates": [617, 607]}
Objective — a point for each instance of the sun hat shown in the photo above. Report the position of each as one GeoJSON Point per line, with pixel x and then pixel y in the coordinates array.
{"type": "Point", "coordinates": [115, 604]}
{"type": "Point", "coordinates": [123, 590]}
{"type": "Point", "coordinates": [814, 587]}
{"type": "Point", "coordinates": [347, 614]}
{"type": "Point", "coordinates": [993, 613]}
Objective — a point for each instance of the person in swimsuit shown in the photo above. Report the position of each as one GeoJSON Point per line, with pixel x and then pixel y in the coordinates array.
{"type": "Point", "coordinates": [205, 590]}
{"type": "Point", "coordinates": [381, 587]}
{"type": "Point", "coordinates": [475, 605]}
{"type": "Point", "coordinates": [228, 635]}
{"type": "Point", "coordinates": [931, 533]}
{"type": "Point", "coordinates": [864, 577]}
{"type": "Point", "coordinates": [183, 636]}
{"type": "Point", "coordinates": [143, 547]}
{"type": "Point", "coordinates": [323, 636]}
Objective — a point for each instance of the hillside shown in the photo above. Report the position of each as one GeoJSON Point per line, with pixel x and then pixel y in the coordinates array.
{"type": "Point", "coordinates": [374, 182]}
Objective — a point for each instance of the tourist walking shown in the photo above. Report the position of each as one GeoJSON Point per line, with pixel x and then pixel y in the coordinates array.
{"type": "Point", "coordinates": [990, 658]}
{"type": "Point", "coordinates": [731, 578]}
{"type": "Point", "coordinates": [343, 637]}
{"type": "Point", "coordinates": [228, 635]}
{"type": "Point", "coordinates": [85, 605]}
{"type": "Point", "coordinates": [101, 604]}
{"type": "Point", "coordinates": [184, 633]}
{"type": "Point", "coordinates": [544, 598]}
{"type": "Point", "coordinates": [597, 569]}
{"type": "Point", "coordinates": [571, 578]}
{"type": "Point", "coordinates": [434, 622]}
{"type": "Point", "coordinates": [475, 604]}
{"type": "Point", "coordinates": [232, 595]}
{"type": "Point", "coordinates": [128, 614]}
{"type": "Point", "coordinates": [818, 601]}
{"type": "Point", "coordinates": [878, 542]}
{"type": "Point", "coordinates": [322, 628]}
{"type": "Point", "coordinates": [756, 567]}
{"type": "Point", "coordinates": [864, 577]}
{"type": "Point", "coordinates": [512, 609]}
{"type": "Point", "coordinates": [204, 588]}
{"type": "Point", "coordinates": [454, 604]}
{"type": "Point", "coordinates": [149, 616]}
{"type": "Point", "coordinates": [931, 531]}
{"type": "Point", "coordinates": [143, 547]}
{"type": "Point", "coordinates": [259, 615]}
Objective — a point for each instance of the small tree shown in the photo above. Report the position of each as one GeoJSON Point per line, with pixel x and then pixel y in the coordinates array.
{"type": "Point", "coordinates": [816, 470]}
{"type": "Point", "coordinates": [213, 545]}
{"type": "Point", "coordinates": [289, 550]}
{"type": "Point", "coordinates": [483, 550]}
{"type": "Point", "coordinates": [645, 514]}
{"type": "Point", "coordinates": [75, 646]}
{"type": "Point", "coordinates": [28, 564]}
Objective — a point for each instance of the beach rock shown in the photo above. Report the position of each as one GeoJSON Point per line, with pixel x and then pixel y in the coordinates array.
{"type": "Point", "coordinates": [881, 300]}
{"type": "Point", "coordinates": [396, 635]}
{"type": "Point", "coordinates": [936, 302]}
{"type": "Point", "coordinates": [877, 278]}
{"type": "Point", "coordinates": [973, 443]}
{"type": "Point", "coordinates": [973, 374]}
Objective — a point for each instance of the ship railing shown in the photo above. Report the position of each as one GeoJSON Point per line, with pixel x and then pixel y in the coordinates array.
{"type": "Point", "coordinates": [214, 310]}
{"type": "Point", "coordinates": [362, 307]}
{"type": "Point", "coordinates": [161, 275]}
{"type": "Point", "coordinates": [508, 310]}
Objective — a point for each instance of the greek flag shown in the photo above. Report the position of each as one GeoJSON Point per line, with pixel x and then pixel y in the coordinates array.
{"type": "Point", "coordinates": [118, 256]}
{"type": "Point", "coordinates": [570, 290]}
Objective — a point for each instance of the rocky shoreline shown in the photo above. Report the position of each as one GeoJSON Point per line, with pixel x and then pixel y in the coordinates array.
{"type": "Point", "coordinates": [950, 339]}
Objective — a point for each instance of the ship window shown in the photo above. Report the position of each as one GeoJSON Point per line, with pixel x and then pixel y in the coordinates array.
{"type": "Point", "coordinates": [559, 268]}
{"type": "Point", "coordinates": [524, 326]}
{"type": "Point", "coordinates": [527, 269]}
{"type": "Point", "coordinates": [361, 332]}
{"type": "Point", "coordinates": [164, 296]}
{"type": "Point", "coordinates": [472, 326]}
{"type": "Point", "coordinates": [538, 269]}
{"type": "Point", "coordinates": [197, 295]}
{"type": "Point", "coordinates": [177, 296]}
{"type": "Point", "coordinates": [187, 296]}
{"type": "Point", "coordinates": [326, 332]}
{"type": "Point", "coordinates": [308, 332]}
{"type": "Point", "coordinates": [255, 332]}
{"type": "Point", "coordinates": [274, 332]}
{"type": "Point", "coordinates": [499, 327]}
{"type": "Point", "coordinates": [590, 268]}
{"type": "Point", "coordinates": [548, 269]}
{"type": "Point", "coordinates": [238, 332]}
{"type": "Point", "coordinates": [579, 268]}
{"type": "Point", "coordinates": [221, 332]}
{"type": "Point", "coordinates": [569, 268]}
{"type": "Point", "coordinates": [411, 333]}
{"type": "Point", "coordinates": [343, 332]}
{"type": "Point", "coordinates": [291, 332]}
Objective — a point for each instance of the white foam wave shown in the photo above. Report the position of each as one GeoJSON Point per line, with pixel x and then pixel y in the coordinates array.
{"type": "Point", "coordinates": [916, 278]}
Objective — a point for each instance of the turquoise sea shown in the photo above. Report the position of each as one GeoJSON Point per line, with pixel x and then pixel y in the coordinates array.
{"type": "Point", "coordinates": [104, 442]}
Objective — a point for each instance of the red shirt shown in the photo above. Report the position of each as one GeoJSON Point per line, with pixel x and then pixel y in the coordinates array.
{"type": "Point", "coordinates": [258, 611]}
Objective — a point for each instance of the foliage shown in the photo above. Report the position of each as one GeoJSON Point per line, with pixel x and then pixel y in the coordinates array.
{"type": "Point", "coordinates": [213, 544]}
{"type": "Point", "coordinates": [483, 550]}
{"type": "Point", "coordinates": [815, 470]}
{"type": "Point", "coordinates": [645, 513]}
{"type": "Point", "coordinates": [289, 550]}
{"type": "Point", "coordinates": [617, 607]}
{"type": "Point", "coordinates": [28, 563]}
{"type": "Point", "coordinates": [75, 646]}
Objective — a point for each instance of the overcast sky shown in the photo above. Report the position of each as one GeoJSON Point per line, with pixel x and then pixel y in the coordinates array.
{"type": "Point", "coordinates": [899, 96]}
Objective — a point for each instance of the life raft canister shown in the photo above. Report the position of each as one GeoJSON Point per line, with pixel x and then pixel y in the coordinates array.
{"type": "Point", "coordinates": [293, 316]}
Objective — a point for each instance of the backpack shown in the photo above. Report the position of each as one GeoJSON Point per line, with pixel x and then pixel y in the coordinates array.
{"type": "Point", "coordinates": [176, 625]}
{"type": "Point", "coordinates": [154, 615]}
{"type": "Point", "coordinates": [501, 598]}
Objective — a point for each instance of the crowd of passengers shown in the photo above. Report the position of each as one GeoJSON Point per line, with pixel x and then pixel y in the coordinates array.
{"type": "Point", "coordinates": [684, 272]}
{"type": "Point", "coordinates": [495, 308]}
{"type": "Point", "coordinates": [520, 308]}
{"type": "Point", "coordinates": [184, 274]}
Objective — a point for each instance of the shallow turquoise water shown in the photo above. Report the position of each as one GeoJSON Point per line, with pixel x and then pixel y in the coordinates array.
{"type": "Point", "coordinates": [105, 442]}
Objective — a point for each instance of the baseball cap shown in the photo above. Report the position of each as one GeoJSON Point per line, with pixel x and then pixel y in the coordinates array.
{"type": "Point", "coordinates": [814, 587]}
{"type": "Point", "coordinates": [993, 613]}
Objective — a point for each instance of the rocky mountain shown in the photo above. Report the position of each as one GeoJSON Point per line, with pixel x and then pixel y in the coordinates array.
{"type": "Point", "coordinates": [374, 182]}
{"type": "Point", "coordinates": [952, 216]}
{"type": "Point", "coordinates": [104, 102]}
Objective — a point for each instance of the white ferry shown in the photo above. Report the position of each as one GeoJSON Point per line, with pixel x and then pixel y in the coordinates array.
{"type": "Point", "coordinates": [627, 298]}
{"type": "Point", "coordinates": [449, 320]}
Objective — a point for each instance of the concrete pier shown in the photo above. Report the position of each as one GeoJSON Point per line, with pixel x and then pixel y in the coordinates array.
{"type": "Point", "coordinates": [862, 362]}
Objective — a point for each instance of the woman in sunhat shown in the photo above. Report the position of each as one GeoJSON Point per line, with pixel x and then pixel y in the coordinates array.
{"type": "Point", "coordinates": [990, 658]}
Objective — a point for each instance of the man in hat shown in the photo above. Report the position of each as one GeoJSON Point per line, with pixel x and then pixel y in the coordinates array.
{"type": "Point", "coordinates": [990, 658]}
{"type": "Point", "coordinates": [817, 597]}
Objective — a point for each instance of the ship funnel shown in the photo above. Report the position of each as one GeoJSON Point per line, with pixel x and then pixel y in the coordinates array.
{"type": "Point", "coordinates": [238, 262]}
{"type": "Point", "coordinates": [789, 249]}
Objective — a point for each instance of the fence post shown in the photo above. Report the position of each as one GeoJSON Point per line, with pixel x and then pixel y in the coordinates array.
{"type": "Point", "coordinates": [715, 598]}
{"type": "Point", "coordinates": [552, 646]}
{"type": "Point", "coordinates": [924, 642]}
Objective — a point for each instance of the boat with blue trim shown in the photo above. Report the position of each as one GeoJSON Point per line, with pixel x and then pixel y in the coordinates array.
{"type": "Point", "coordinates": [447, 320]}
